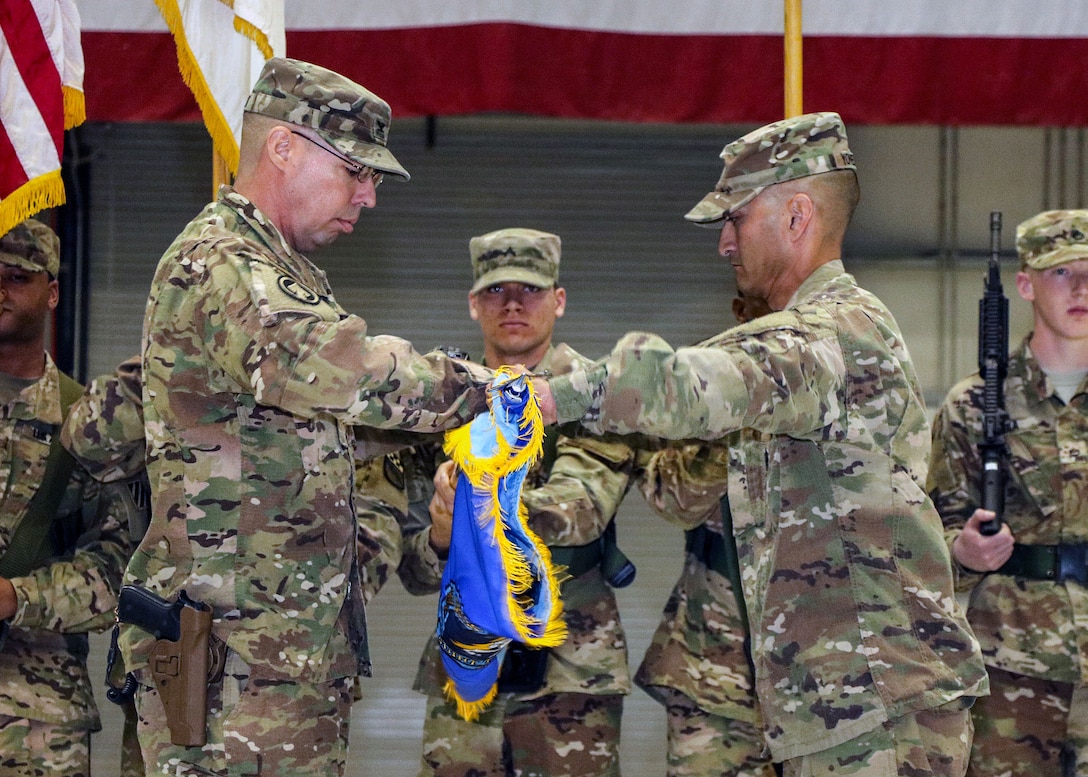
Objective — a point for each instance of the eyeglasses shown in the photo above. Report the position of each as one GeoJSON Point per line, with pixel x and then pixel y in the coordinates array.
{"type": "Point", "coordinates": [361, 174]}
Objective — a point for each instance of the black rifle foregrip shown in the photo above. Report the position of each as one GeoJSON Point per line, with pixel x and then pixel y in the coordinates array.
{"type": "Point", "coordinates": [993, 495]}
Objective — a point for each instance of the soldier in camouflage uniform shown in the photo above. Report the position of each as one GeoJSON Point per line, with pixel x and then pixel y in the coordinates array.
{"type": "Point", "coordinates": [864, 661]}
{"type": "Point", "coordinates": [1028, 583]}
{"type": "Point", "coordinates": [381, 505]}
{"type": "Point", "coordinates": [254, 377]}
{"type": "Point", "coordinates": [104, 431]}
{"type": "Point", "coordinates": [565, 722]}
{"type": "Point", "coordinates": [63, 539]}
{"type": "Point", "coordinates": [698, 664]}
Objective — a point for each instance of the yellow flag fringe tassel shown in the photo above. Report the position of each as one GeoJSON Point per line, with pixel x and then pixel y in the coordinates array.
{"type": "Point", "coordinates": [75, 107]}
{"type": "Point", "coordinates": [218, 127]}
{"type": "Point", "coordinates": [485, 474]}
{"type": "Point", "coordinates": [255, 34]}
{"type": "Point", "coordinates": [469, 710]}
{"type": "Point", "coordinates": [37, 194]}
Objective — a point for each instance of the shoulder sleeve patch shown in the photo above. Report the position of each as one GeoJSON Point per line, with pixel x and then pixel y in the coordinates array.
{"type": "Point", "coordinates": [277, 294]}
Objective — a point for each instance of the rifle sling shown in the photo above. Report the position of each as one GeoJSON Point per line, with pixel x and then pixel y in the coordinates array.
{"type": "Point", "coordinates": [30, 543]}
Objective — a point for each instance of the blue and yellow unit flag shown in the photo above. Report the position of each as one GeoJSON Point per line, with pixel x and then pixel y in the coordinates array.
{"type": "Point", "coordinates": [498, 584]}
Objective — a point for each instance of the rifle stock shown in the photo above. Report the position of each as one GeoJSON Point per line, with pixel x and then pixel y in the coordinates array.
{"type": "Point", "coordinates": [993, 362]}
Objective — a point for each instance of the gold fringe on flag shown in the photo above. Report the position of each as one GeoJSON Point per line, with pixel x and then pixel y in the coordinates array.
{"type": "Point", "coordinates": [218, 127]}
{"type": "Point", "coordinates": [37, 194]}
{"type": "Point", "coordinates": [468, 710]}
{"type": "Point", "coordinates": [75, 107]}
{"type": "Point", "coordinates": [485, 475]}
{"type": "Point", "coordinates": [520, 568]}
{"type": "Point", "coordinates": [255, 34]}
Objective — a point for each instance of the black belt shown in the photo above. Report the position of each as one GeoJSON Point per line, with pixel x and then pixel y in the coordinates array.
{"type": "Point", "coordinates": [1059, 563]}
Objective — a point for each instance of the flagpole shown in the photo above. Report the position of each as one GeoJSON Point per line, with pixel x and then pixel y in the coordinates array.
{"type": "Point", "coordinates": [220, 172]}
{"type": "Point", "coordinates": [793, 58]}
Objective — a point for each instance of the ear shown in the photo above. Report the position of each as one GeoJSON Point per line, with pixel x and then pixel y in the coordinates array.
{"type": "Point", "coordinates": [54, 294]}
{"type": "Point", "coordinates": [801, 210]}
{"type": "Point", "coordinates": [278, 146]}
{"type": "Point", "coordinates": [472, 310]}
{"type": "Point", "coordinates": [560, 301]}
{"type": "Point", "coordinates": [1025, 286]}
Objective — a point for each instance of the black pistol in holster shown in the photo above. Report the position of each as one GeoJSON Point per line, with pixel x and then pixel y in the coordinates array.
{"type": "Point", "coordinates": [993, 363]}
{"type": "Point", "coordinates": [184, 659]}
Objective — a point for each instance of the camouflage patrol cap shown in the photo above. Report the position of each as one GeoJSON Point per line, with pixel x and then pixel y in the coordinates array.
{"type": "Point", "coordinates": [518, 255]}
{"type": "Point", "coordinates": [1053, 237]}
{"type": "Point", "coordinates": [792, 148]}
{"type": "Point", "coordinates": [350, 118]}
{"type": "Point", "coordinates": [32, 246]}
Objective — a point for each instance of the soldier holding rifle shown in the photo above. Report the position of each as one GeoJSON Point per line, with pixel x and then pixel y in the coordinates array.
{"type": "Point", "coordinates": [1028, 580]}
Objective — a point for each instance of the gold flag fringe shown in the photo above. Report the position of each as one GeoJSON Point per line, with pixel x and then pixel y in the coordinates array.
{"type": "Point", "coordinates": [485, 474]}
{"type": "Point", "coordinates": [469, 710]}
{"type": "Point", "coordinates": [255, 34]}
{"type": "Point", "coordinates": [218, 127]}
{"type": "Point", "coordinates": [75, 107]}
{"type": "Point", "coordinates": [37, 194]}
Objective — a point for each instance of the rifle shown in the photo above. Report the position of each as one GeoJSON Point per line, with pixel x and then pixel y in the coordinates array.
{"type": "Point", "coordinates": [185, 657]}
{"type": "Point", "coordinates": [993, 363]}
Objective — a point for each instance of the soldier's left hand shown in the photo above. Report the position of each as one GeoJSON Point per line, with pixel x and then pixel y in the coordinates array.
{"type": "Point", "coordinates": [980, 552]}
{"type": "Point", "coordinates": [441, 506]}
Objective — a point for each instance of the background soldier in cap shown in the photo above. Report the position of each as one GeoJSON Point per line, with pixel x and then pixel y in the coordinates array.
{"type": "Point", "coordinates": [253, 377]}
{"type": "Point", "coordinates": [698, 664]}
{"type": "Point", "coordinates": [63, 540]}
{"type": "Point", "coordinates": [864, 663]}
{"type": "Point", "coordinates": [558, 711]}
{"type": "Point", "coordinates": [1029, 621]}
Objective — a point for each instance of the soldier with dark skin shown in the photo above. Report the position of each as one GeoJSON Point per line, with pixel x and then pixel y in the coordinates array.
{"type": "Point", "coordinates": [864, 662]}
{"type": "Point", "coordinates": [1027, 582]}
{"type": "Point", "coordinates": [254, 379]}
{"type": "Point", "coordinates": [64, 540]}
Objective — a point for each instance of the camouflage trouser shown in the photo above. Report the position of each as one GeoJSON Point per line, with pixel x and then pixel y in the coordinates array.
{"type": "Point", "coordinates": [930, 743]}
{"type": "Point", "coordinates": [1028, 726]}
{"type": "Point", "coordinates": [255, 726]}
{"type": "Point", "coordinates": [558, 735]}
{"type": "Point", "coordinates": [705, 745]}
{"type": "Point", "coordinates": [132, 760]}
{"type": "Point", "coordinates": [31, 748]}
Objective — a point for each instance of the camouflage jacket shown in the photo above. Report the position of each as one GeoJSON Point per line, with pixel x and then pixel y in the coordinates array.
{"type": "Point", "coordinates": [105, 429]}
{"type": "Point", "coordinates": [380, 506]}
{"type": "Point", "coordinates": [43, 664]}
{"type": "Point", "coordinates": [846, 574]}
{"type": "Point", "coordinates": [253, 377]}
{"type": "Point", "coordinates": [1025, 626]}
{"type": "Point", "coordinates": [698, 648]}
{"type": "Point", "coordinates": [569, 504]}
